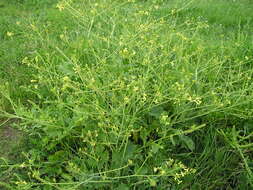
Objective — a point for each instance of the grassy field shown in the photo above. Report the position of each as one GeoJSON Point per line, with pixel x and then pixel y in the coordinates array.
{"type": "Point", "coordinates": [117, 94]}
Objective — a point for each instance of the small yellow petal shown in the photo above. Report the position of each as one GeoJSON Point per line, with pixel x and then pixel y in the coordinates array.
{"type": "Point", "coordinates": [9, 34]}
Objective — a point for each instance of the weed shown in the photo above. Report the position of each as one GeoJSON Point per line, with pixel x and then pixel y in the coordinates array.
{"type": "Point", "coordinates": [130, 94]}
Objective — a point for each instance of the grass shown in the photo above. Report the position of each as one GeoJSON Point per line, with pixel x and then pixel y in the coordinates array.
{"type": "Point", "coordinates": [127, 94]}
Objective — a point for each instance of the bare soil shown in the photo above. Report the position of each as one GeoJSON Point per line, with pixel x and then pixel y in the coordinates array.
{"type": "Point", "coordinates": [10, 138]}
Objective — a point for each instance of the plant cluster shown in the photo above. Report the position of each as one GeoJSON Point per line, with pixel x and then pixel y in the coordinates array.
{"type": "Point", "coordinates": [131, 95]}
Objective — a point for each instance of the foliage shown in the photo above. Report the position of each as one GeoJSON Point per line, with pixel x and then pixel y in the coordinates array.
{"type": "Point", "coordinates": [130, 94]}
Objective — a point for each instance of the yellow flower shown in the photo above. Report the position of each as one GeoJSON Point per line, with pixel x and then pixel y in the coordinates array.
{"type": "Point", "coordinates": [162, 172]}
{"type": "Point", "coordinates": [62, 36]}
{"type": "Point", "coordinates": [33, 27]}
{"type": "Point", "coordinates": [66, 79]}
{"type": "Point", "coordinates": [23, 165]}
{"type": "Point", "coordinates": [136, 88]}
{"type": "Point", "coordinates": [130, 162]}
{"type": "Point", "coordinates": [155, 169]}
{"type": "Point", "coordinates": [126, 99]}
{"type": "Point", "coordinates": [9, 34]}
{"type": "Point", "coordinates": [60, 6]}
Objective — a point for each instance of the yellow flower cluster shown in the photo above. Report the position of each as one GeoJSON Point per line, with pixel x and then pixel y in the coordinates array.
{"type": "Point", "coordinates": [185, 171]}
{"type": "Point", "coordinates": [9, 34]}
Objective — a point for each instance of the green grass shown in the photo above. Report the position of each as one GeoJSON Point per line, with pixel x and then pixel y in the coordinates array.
{"type": "Point", "coordinates": [127, 94]}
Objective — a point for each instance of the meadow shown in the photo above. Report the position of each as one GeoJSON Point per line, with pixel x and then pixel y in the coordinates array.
{"type": "Point", "coordinates": [126, 94]}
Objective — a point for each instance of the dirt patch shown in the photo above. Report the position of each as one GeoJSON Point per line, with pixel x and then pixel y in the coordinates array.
{"type": "Point", "coordinates": [8, 133]}
{"type": "Point", "coordinates": [11, 145]}
{"type": "Point", "coordinates": [10, 139]}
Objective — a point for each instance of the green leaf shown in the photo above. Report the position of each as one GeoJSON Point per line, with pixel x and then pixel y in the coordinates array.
{"type": "Point", "coordinates": [67, 176]}
{"type": "Point", "coordinates": [155, 148]}
{"type": "Point", "coordinates": [188, 142]}
{"type": "Point", "coordinates": [123, 187]}
{"type": "Point", "coordinates": [58, 156]}
{"type": "Point", "coordinates": [142, 171]}
{"type": "Point", "coordinates": [152, 182]}
{"type": "Point", "coordinates": [130, 150]}
{"type": "Point", "coordinates": [156, 111]}
{"type": "Point", "coordinates": [66, 69]}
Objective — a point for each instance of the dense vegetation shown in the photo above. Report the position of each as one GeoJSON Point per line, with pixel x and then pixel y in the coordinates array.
{"type": "Point", "coordinates": [117, 94]}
